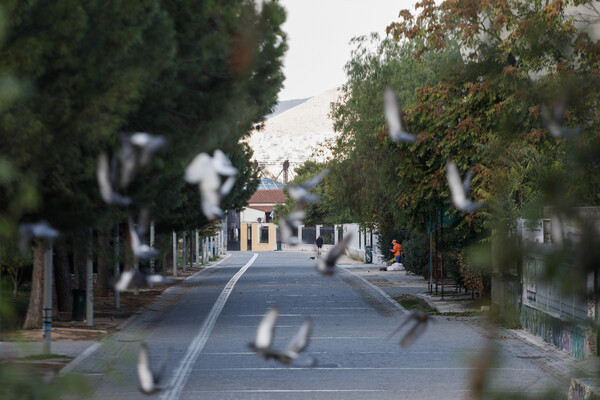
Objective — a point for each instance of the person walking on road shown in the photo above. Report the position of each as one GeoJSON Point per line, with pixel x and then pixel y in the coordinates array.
{"type": "Point", "coordinates": [397, 250]}
{"type": "Point", "coordinates": [319, 243]}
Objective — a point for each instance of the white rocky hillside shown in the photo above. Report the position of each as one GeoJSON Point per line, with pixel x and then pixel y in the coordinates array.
{"type": "Point", "coordinates": [295, 135]}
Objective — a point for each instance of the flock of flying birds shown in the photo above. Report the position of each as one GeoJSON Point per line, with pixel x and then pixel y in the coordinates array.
{"type": "Point", "coordinates": [215, 177]}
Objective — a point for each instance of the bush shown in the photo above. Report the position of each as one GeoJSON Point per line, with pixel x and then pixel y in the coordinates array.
{"type": "Point", "coordinates": [416, 254]}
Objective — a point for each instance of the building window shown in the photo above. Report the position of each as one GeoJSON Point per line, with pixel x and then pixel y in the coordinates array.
{"type": "Point", "coordinates": [264, 234]}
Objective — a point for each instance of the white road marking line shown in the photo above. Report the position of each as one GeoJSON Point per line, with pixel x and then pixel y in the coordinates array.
{"type": "Point", "coordinates": [296, 390]}
{"type": "Point", "coordinates": [182, 373]}
{"type": "Point", "coordinates": [261, 315]}
{"type": "Point", "coordinates": [282, 368]}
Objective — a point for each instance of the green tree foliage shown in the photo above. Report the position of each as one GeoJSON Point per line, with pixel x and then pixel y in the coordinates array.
{"type": "Point", "coordinates": [201, 73]}
{"type": "Point", "coordinates": [321, 212]}
{"type": "Point", "coordinates": [222, 81]}
{"type": "Point", "coordinates": [367, 177]}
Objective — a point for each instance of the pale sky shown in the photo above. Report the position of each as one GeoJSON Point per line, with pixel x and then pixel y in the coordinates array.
{"type": "Point", "coordinates": [318, 33]}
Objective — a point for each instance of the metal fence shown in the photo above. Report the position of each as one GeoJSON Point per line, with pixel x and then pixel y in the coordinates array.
{"type": "Point", "coordinates": [327, 233]}
{"type": "Point", "coordinates": [309, 234]}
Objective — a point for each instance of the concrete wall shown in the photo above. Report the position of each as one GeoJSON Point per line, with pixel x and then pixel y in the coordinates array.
{"type": "Point", "coordinates": [559, 318]}
{"type": "Point", "coordinates": [575, 340]}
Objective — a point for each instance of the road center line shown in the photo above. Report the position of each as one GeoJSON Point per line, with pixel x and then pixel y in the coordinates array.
{"type": "Point", "coordinates": [182, 373]}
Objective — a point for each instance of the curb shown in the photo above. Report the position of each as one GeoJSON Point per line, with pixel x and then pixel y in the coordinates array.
{"type": "Point", "coordinates": [79, 359]}
{"type": "Point", "coordinates": [377, 289]}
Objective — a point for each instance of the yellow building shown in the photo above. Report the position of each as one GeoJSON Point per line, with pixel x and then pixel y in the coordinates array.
{"type": "Point", "coordinates": [257, 237]}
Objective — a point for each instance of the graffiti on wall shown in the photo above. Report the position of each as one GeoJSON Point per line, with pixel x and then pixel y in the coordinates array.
{"type": "Point", "coordinates": [568, 338]}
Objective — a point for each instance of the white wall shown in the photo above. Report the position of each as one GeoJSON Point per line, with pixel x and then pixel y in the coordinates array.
{"type": "Point", "coordinates": [250, 215]}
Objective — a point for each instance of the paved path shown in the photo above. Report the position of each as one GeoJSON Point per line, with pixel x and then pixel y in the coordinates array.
{"type": "Point", "coordinates": [205, 324]}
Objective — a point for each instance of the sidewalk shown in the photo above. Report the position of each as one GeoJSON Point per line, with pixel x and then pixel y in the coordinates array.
{"type": "Point", "coordinates": [401, 283]}
{"type": "Point", "coordinates": [73, 341]}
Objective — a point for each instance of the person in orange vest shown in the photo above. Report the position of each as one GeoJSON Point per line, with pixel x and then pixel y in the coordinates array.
{"type": "Point", "coordinates": [397, 250]}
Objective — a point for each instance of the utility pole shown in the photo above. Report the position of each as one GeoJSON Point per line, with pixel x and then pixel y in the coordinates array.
{"type": "Point", "coordinates": [174, 254]}
{"type": "Point", "coordinates": [152, 245]}
{"type": "Point", "coordinates": [184, 251]}
{"type": "Point", "coordinates": [47, 307]}
{"type": "Point", "coordinates": [117, 266]}
{"type": "Point", "coordinates": [197, 248]}
{"type": "Point", "coordinates": [89, 304]}
{"type": "Point", "coordinates": [286, 166]}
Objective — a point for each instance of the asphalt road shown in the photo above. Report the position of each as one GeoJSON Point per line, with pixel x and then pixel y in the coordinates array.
{"type": "Point", "coordinates": [204, 325]}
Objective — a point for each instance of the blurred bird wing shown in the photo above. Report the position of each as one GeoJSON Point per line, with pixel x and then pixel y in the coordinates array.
{"type": "Point", "coordinates": [124, 281]}
{"type": "Point", "coordinates": [338, 250]}
{"type": "Point", "coordinates": [227, 185]}
{"type": "Point", "coordinates": [296, 192]}
{"type": "Point", "coordinates": [315, 180]}
{"type": "Point", "coordinates": [102, 175]}
{"type": "Point", "coordinates": [467, 181]}
{"type": "Point", "coordinates": [287, 235]}
{"type": "Point", "coordinates": [414, 333]}
{"type": "Point", "coordinates": [301, 339]}
{"type": "Point", "coordinates": [44, 230]}
{"type": "Point", "coordinates": [222, 164]}
{"type": "Point", "coordinates": [128, 158]}
{"type": "Point", "coordinates": [144, 370]}
{"type": "Point", "coordinates": [410, 316]}
{"type": "Point", "coordinates": [135, 239]}
{"type": "Point", "coordinates": [456, 185]}
{"type": "Point", "coordinates": [266, 329]}
{"type": "Point", "coordinates": [391, 110]}
{"type": "Point", "coordinates": [198, 168]}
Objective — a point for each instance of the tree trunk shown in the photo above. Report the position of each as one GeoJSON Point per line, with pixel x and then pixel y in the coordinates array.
{"type": "Point", "coordinates": [104, 265]}
{"type": "Point", "coordinates": [33, 318]}
{"type": "Point", "coordinates": [62, 278]}
{"type": "Point", "coordinates": [79, 245]}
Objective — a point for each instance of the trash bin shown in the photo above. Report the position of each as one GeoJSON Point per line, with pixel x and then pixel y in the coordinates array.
{"type": "Point", "coordinates": [78, 311]}
{"type": "Point", "coordinates": [278, 245]}
{"type": "Point", "coordinates": [369, 254]}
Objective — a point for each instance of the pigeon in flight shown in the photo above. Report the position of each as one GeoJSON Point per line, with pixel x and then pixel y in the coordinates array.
{"type": "Point", "coordinates": [326, 264]}
{"type": "Point", "coordinates": [459, 189]}
{"type": "Point", "coordinates": [136, 151]}
{"type": "Point", "coordinates": [554, 121]}
{"type": "Point", "coordinates": [393, 116]}
{"type": "Point", "coordinates": [149, 379]}
{"type": "Point", "coordinates": [141, 251]}
{"type": "Point", "coordinates": [421, 319]}
{"type": "Point", "coordinates": [39, 230]}
{"type": "Point", "coordinates": [291, 223]}
{"type": "Point", "coordinates": [139, 279]}
{"type": "Point", "coordinates": [297, 345]}
{"type": "Point", "coordinates": [287, 233]}
{"type": "Point", "coordinates": [301, 192]}
{"type": "Point", "coordinates": [206, 171]}
{"type": "Point", "coordinates": [266, 332]}
{"type": "Point", "coordinates": [106, 188]}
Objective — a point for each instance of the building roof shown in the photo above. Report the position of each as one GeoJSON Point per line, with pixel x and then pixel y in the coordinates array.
{"type": "Point", "coordinates": [266, 209]}
{"type": "Point", "coordinates": [272, 196]}
{"type": "Point", "coordinates": [269, 184]}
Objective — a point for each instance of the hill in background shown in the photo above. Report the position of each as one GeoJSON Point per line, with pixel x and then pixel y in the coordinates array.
{"type": "Point", "coordinates": [297, 134]}
{"type": "Point", "coordinates": [286, 105]}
